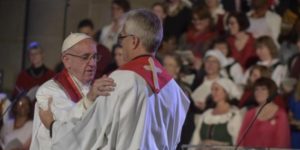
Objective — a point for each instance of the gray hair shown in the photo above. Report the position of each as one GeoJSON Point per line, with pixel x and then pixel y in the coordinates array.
{"type": "Point", "coordinates": [145, 25]}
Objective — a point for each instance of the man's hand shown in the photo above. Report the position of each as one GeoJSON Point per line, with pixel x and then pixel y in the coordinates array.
{"type": "Point", "coordinates": [46, 116]}
{"type": "Point", "coordinates": [101, 87]}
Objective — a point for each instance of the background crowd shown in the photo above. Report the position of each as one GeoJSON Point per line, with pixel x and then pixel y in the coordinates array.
{"type": "Point", "coordinates": [229, 56]}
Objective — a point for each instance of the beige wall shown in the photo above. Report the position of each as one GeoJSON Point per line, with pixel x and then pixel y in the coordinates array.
{"type": "Point", "coordinates": [12, 14]}
{"type": "Point", "coordinates": [45, 26]}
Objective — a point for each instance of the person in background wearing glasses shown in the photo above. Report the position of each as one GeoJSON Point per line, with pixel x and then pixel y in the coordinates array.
{"type": "Point", "coordinates": [145, 111]}
{"type": "Point", "coordinates": [73, 90]}
{"type": "Point", "coordinates": [34, 76]}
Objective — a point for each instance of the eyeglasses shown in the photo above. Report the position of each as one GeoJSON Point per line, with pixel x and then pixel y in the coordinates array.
{"type": "Point", "coordinates": [87, 57]}
{"type": "Point", "coordinates": [121, 37]}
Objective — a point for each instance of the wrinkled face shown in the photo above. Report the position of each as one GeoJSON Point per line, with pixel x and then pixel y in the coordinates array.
{"type": "Point", "coordinates": [222, 47]}
{"type": "Point", "coordinates": [119, 56]}
{"type": "Point", "coordinates": [116, 11]}
{"type": "Point", "coordinates": [200, 25]}
{"type": "Point", "coordinates": [261, 94]}
{"type": "Point", "coordinates": [159, 11]}
{"type": "Point", "coordinates": [218, 93]}
{"type": "Point", "coordinates": [255, 74]}
{"type": "Point", "coordinates": [36, 57]}
{"type": "Point", "coordinates": [81, 59]}
{"type": "Point", "coordinates": [233, 26]}
{"type": "Point", "coordinates": [171, 66]}
{"type": "Point", "coordinates": [22, 107]}
{"type": "Point", "coordinates": [263, 53]}
{"type": "Point", "coordinates": [212, 3]}
{"type": "Point", "coordinates": [212, 65]}
{"type": "Point", "coordinates": [87, 30]}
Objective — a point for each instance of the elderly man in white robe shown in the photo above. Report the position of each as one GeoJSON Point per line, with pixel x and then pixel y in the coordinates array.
{"type": "Point", "coordinates": [71, 91]}
{"type": "Point", "coordinates": [145, 111]}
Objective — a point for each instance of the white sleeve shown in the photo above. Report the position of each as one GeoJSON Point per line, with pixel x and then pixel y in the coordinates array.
{"type": "Point", "coordinates": [234, 126]}
{"type": "Point", "coordinates": [63, 110]}
{"type": "Point", "coordinates": [246, 76]}
{"type": "Point", "coordinates": [196, 139]}
{"type": "Point", "coordinates": [108, 123]}
{"type": "Point", "coordinates": [279, 74]}
{"type": "Point", "coordinates": [126, 113]}
{"type": "Point", "coordinates": [237, 73]}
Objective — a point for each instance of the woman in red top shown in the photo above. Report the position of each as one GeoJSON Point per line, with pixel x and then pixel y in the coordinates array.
{"type": "Point", "coordinates": [241, 43]}
{"type": "Point", "coordinates": [201, 35]}
{"type": "Point", "coordinates": [271, 129]}
{"type": "Point", "coordinates": [256, 72]}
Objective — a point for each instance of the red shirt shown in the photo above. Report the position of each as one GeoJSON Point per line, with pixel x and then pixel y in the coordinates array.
{"type": "Point", "coordinates": [272, 133]}
{"type": "Point", "coordinates": [199, 43]}
{"type": "Point", "coordinates": [25, 81]}
{"type": "Point", "coordinates": [247, 55]}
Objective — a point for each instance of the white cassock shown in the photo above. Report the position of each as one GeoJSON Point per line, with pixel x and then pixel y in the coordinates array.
{"type": "Point", "coordinates": [145, 111]}
{"type": "Point", "coordinates": [64, 107]}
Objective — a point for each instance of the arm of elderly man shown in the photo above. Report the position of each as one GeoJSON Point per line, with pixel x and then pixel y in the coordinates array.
{"type": "Point", "coordinates": [63, 108]}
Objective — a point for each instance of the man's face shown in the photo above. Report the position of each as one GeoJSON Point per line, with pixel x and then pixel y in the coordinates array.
{"type": "Point", "coordinates": [125, 40]}
{"type": "Point", "coordinates": [36, 57]}
{"type": "Point", "coordinates": [81, 60]}
{"type": "Point", "coordinates": [212, 65]}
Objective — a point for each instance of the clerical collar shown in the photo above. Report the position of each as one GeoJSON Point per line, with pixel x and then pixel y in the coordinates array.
{"type": "Point", "coordinates": [37, 72]}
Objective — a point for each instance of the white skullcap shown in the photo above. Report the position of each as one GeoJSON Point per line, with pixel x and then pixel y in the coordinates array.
{"type": "Point", "coordinates": [230, 88]}
{"type": "Point", "coordinates": [217, 54]}
{"type": "Point", "coordinates": [73, 39]}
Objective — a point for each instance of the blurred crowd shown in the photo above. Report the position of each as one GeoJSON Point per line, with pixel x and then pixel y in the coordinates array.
{"type": "Point", "coordinates": [229, 56]}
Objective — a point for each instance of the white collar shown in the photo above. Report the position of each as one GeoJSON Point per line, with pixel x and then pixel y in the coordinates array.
{"type": "Point", "coordinates": [210, 118]}
{"type": "Point", "coordinates": [268, 63]}
{"type": "Point", "coordinates": [229, 61]}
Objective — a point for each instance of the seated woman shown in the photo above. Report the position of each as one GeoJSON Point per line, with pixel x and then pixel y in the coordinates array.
{"type": "Point", "coordinates": [267, 53]}
{"type": "Point", "coordinates": [214, 60]}
{"type": "Point", "coordinates": [241, 42]}
{"type": "Point", "coordinates": [19, 128]}
{"type": "Point", "coordinates": [232, 69]}
{"type": "Point", "coordinates": [218, 13]}
{"type": "Point", "coordinates": [201, 34]}
{"type": "Point", "coordinates": [118, 60]}
{"type": "Point", "coordinates": [271, 129]}
{"type": "Point", "coordinates": [257, 71]}
{"type": "Point", "coordinates": [221, 124]}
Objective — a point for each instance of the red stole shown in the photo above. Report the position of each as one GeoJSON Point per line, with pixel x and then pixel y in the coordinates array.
{"type": "Point", "coordinates": [138, 64]}
{"type": "Point", "coordinates": [64, 80]}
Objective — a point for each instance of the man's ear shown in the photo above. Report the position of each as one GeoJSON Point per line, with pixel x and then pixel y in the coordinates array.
{"type": "Point", "coordinates": [136, 42]}
{"type": "Point", "coordinates": [66, 61]}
